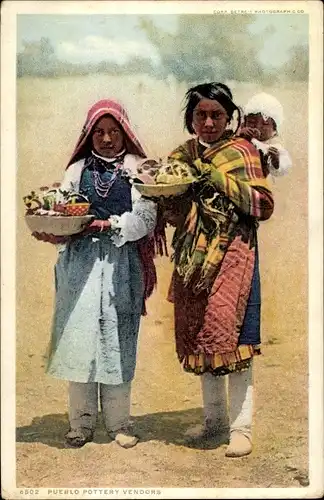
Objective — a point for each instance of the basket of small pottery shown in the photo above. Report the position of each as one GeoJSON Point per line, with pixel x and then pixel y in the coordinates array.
{"type": "Point", "coordinates": [163, 180]}
{"type": "Point", "coordinates": [56, 211]}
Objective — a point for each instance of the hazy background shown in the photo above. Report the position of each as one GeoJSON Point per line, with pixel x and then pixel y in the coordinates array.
{"type": "Point", "coordinates": [266, 48]}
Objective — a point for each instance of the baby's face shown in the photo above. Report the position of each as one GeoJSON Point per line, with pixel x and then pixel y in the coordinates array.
{"type": "Point", "coordinates": [265, 127]}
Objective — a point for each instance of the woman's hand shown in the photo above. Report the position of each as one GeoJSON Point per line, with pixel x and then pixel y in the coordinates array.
{"type": "Point", "coordinates": [96, 226]}
{"type": "Point", "coordinates": [50, 238]}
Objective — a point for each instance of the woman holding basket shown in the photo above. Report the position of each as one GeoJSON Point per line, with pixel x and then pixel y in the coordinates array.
{"type": "Point", "coordinates": [102, 278]}
{"type": "Point", "coordinates": [215, 286]}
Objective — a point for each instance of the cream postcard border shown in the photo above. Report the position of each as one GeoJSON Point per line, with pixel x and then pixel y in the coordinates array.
{"type": "Point", "coordinates": [10, 9]}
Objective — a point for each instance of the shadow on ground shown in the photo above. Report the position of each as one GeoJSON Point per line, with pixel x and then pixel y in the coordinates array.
{"type": "Point", "coordinates": [167, 427]}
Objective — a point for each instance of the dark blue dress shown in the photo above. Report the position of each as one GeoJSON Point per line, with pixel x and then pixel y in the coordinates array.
{"type": "Point", "coordinates": [99, 297]}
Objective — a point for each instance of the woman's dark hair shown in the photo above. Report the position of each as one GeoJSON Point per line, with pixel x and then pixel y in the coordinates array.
{"type": "Point", "coordinates": [217, 92]}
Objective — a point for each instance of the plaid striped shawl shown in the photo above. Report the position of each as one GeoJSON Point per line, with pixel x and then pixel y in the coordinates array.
{"type": "Point", "coordinates": [215, 253]}
{"type": "Point", "coordinates": [231, 193]}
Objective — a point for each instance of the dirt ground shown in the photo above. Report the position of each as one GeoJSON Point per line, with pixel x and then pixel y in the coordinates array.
{"type": "Point", "coordinates": [165, 400]}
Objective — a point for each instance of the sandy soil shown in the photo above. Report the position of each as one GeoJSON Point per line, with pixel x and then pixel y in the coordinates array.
{"type": "Point", "coordinates": [165, 400]}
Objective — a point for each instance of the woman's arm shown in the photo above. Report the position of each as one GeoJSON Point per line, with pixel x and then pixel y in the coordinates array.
{"type": "Point", "coordinates": [72, 176]}
{"type": "Point", "coordinates": [134, 225]}
{"type": "Point", "coordinates": [238, 175]}
{"type": "Point", "coordinates": [256, 201]}
{"type": "Point", "coordinates": [247, 188]}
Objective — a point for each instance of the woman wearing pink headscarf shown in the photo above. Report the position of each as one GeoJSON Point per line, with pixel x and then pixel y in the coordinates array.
{"type": "Point", "coordinates": [102, 279]}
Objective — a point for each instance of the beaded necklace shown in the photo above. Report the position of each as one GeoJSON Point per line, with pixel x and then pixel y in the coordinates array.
{"type": "Point", "coordinates": [103, 188]}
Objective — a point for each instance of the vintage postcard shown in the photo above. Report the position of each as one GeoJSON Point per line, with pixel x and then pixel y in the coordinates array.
{"type": "Point", "coordinates": [100, 400]}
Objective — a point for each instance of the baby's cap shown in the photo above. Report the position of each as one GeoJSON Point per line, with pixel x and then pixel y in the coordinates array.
{"type": "Point", "coordinates": [267, 105]}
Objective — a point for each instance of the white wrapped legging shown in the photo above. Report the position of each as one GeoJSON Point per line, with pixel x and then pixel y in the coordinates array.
{"type": "Point", "coordinates": [114, 401]}
{"type": "Point", "coordinates": [236, 409]}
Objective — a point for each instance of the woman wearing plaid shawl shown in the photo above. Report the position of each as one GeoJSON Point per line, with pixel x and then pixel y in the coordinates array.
{"type": "Point", "coordinates": [102, 278]}
{"type": "Point", "coordinates": [215, 285]}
